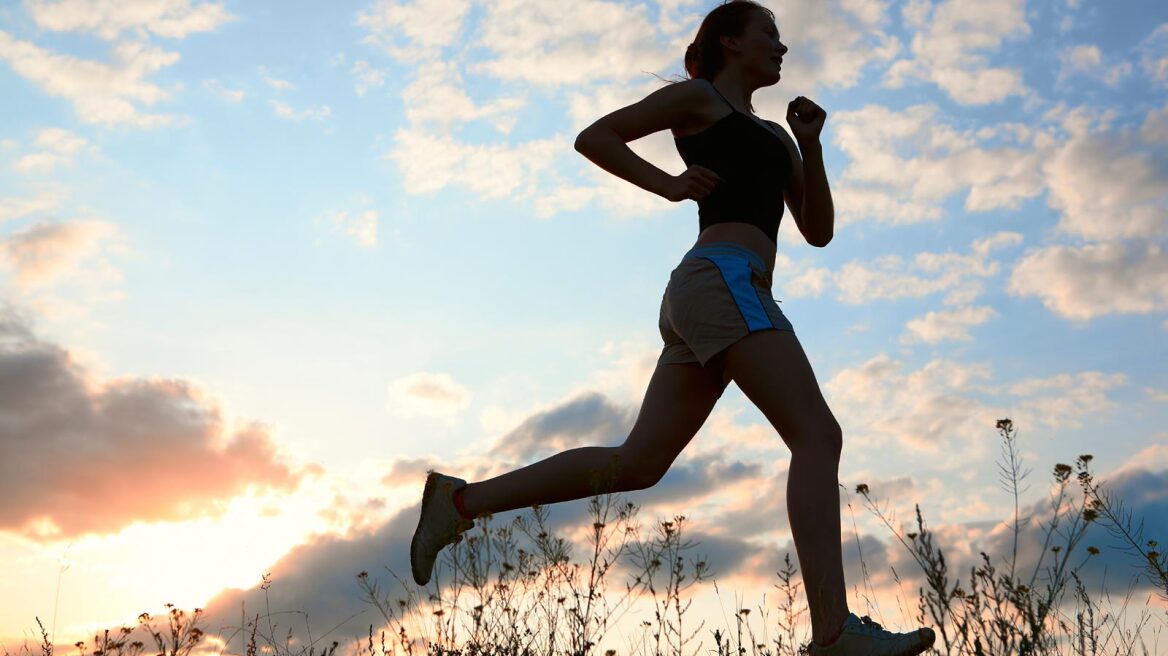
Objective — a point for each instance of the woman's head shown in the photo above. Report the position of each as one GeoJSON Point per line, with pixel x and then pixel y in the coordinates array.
{"type": "Point", "coordinates": [736, 19]}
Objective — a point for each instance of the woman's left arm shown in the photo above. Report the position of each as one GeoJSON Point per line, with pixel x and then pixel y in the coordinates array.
{"type": "Point", "coordinates": [818, 213]}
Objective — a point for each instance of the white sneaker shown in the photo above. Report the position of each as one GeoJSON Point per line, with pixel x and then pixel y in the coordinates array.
{"type": "Point", "coordinates": [439, 524]}
{"type": "Point", "coordinates": [863, 637]}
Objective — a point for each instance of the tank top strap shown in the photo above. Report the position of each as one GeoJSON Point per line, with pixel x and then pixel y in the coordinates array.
{"type": "Point", "coordinates": [723, 97]}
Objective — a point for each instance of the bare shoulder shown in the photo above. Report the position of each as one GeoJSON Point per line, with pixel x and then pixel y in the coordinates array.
{"type": "Point", "coordinates": [676, 106]}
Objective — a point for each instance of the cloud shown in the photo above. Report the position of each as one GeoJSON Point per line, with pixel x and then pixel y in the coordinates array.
{"type": "Point", "coordinates": [889, 277]}
{"type": "Point", "coordinates": [879, 404]}
{"type": "Point", "coordinates": [100, 93]}
{"type": "Point", "coordinates": [55, 147]}
{"type": "Point", "coordinates": [284, 110]}
{"type": "Point", "coordinates": [568, 44]}
{"type": "Point", "coordinates": [319, 578]}
{"type": "Point", "coordinates": [427, 394]}
{"type": "Point", "coordinates": [14, 208]}
{"type": "Point", "coordinates": [1087, 60]}
{"type": "Point", "coordinates": [587, 419]}
{"type": "Point", "coordinates": [276, 83]}
{"type": "Point", "coordinates": [1154, 456]}
{"type": "Point", "coordinates": [426, 26]}
{"type": "Point", "coordinates": [939, 406]}
{"type": "Point", "coordinates": [1154, 54]}
{"type": "Point", "coordinates": [1109, 184]}
{"type": "Point", "coordinates": [1082, 283]}
{"type": "Point", "coordinates": [952, 325]}
{"type": "Point", "coordinates": [79, 455]}
{"type": "Point", "coordinates": [1064, 399]}
{"type": "Point", "coordinates": [367, 77]}
{"type": "Point", "coordinates": [48, 251]}
{"type": "Point", "coordinates": [902, 165]}
{"type": "Point", "coordinates": [946, 50]}
{"type": "Point", "coordinates": [360, 227]}
{"type": "Point", "coordinates": [230, 95]}
{"type": "Point", "coordinates": [436, 96]}
{"type": "Point", "coordinates": [1142, 492]}
{"type": "Point", "coordinates": [174, 19]}
{"type": "Point", "coordinates": [430, 162]}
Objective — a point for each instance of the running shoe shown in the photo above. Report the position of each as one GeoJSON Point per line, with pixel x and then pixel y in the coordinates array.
{"type": "Point", "coordinates": [863, 637]}
{"type": "Point", "coordinates": [439, 524]}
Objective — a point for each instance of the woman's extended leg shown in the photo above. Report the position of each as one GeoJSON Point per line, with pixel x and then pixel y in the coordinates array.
{"type": "Point", "coordinates": [677, 402]}
{"type": "Point", "coordinates": [772, 370]}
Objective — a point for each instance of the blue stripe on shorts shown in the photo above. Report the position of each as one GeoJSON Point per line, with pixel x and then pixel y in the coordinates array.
{"type": "Point", "coordinates": [736, 272]}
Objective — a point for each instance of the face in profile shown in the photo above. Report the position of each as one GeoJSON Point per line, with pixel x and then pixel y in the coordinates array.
{"type": "Point", "coordinates": [760, 49]}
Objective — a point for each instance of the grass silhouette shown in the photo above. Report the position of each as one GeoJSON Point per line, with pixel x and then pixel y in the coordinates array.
{"type": "Point", "coordinates": [503, 599]}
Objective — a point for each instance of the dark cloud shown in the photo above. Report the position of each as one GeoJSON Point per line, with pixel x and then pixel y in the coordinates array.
{"type": "Point", "coordinates": [84, 456]}
{"type": "Point", "coordinates": [590, 419]}
{"type": "Point", "coordinates": [1143, 493]}
{"type": "Point", "coordinates": [319, 578]}
{"type": "Point", "coordinates": [690, 478]}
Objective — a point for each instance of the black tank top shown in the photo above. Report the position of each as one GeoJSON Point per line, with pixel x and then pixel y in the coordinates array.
{"type": "Point", "coordinates": [753, 163]}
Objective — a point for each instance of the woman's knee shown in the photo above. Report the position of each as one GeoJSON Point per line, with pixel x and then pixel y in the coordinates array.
{"type": "Point", "coordinates": [639, 472]}
{"type": "Point", "coordinates": [826, 440]}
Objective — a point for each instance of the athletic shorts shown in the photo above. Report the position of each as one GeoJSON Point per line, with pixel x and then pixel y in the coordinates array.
{"type": "Point", "coordinates": [718, 294]}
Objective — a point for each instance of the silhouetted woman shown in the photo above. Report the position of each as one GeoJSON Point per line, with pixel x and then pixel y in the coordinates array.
{"type": "Point", "coordinates": [718, 319]}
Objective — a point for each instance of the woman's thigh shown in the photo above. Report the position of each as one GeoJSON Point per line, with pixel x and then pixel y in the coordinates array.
{"type": "Point", "coordinates": [677, 402]}
{"type": "Point", "coordinates": [772, 370]}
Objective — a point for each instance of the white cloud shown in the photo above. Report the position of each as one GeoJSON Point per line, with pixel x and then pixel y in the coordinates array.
{"type": "Point", "coordinates": [1155, 126]}
{"type": "Point", "coordinates": [569, 43]}
{"type": "Point", "coordinates": [901, 165]}
{"type": "Point", "coordinates": [951, 325]}
{"type": "Point", "coordinates": [1108, 183]}
{"type": "Point", "coordinates": [1064, 399]}
{"type": "Point", "coordinates": [15, 208]}
{"type": "Point", "coordinates": [100, 93]}
{"type": "Point", "coordinates": [877, 403]}
{"type": "Point", "coordinates": [230, 95]}
{"type": "Point", "coordinates": [1081, 283]}
{"type": "Point", "coordinates": [429, 162]}
{"type": "Point", "coordinates": [627, 377]}
{"type": "Point", "coordinates": [427, 394]}
{"type": "Point", "coordinates": [361, 227]}
{"type": "Point", "coordinates": [277, 83]}
{"type": "Point", "coordinates": [890, 276]}
{"type": "Point", "coordinates": [1088, 60]}
{"type": "Point", "coordinates": [1154, 54]}
{"type": "Point", "coordinates": [1154, 456]}
{"type": "Point", "coordinates": [284, 110]}
{"type": "Point", "coordinates": [174, 19]}
{"type": "Point", "coordinates": [947, 49]}
{"type": "Point", "coordinates": [437, 96]}
{"type": "Point", "coordinates": [812, 281]}
{"type": "Point", "coordinates": [983, 246]}
{"type": "Point", "coordinates": [367, 77]}
{"type": "Point", "coordinates": [426, 25]}
{"type": "Point", "coordinates": [46, 252]}
{"type": "Point", "coordinates": [940, 406]}
{"type": "Point", "coordinates": [56, 147]}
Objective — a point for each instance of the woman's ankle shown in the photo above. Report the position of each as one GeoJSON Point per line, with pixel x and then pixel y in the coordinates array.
{"type": "Point", "coordinates": [459, 503]}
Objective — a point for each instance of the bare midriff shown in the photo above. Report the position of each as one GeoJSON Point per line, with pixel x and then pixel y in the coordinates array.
{"type": "Point", "coordinates": [744, 234]}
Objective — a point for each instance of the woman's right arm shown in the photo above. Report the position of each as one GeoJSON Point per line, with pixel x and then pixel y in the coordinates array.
{"type": "Point", "coordinates": [605, 141]}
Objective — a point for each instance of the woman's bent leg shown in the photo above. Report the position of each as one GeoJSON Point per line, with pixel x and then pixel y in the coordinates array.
{"type": "Point", "coordinates": [772, 370]}
{"type": "Point", "coordinates": [677, 402]}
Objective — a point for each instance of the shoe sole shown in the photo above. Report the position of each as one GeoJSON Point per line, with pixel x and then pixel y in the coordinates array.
{"type": "Point", "coordinates": [427, 492]}
{"type": "Point", "coordinates": [926, 643]}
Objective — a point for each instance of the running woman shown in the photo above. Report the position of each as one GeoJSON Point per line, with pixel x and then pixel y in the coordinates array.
{"type": "Point", "coordinates": [718, 319]}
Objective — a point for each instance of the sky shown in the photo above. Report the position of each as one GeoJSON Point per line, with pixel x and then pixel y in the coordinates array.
{"type": "Point", "coordinates": [264, 264]}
